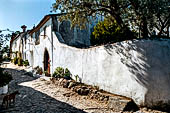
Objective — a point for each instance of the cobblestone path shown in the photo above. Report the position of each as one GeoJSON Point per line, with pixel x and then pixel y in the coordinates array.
{"type": "Point", "coordinates": [41, 96]}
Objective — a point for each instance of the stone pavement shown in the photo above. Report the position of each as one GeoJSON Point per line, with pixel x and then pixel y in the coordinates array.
{"type": "Point", "coordinates": [41, 96]}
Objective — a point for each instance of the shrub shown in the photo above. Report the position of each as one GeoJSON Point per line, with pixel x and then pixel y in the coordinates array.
{"type": "Point", "coordinates": [62, 73]}
{"type": "Point", "coordinates": [105, 32]}
{"type": "Point", "coordinates": [5, 78]}
{"type": "Point", "coordinates": [67, 72]}
{"type": "Point", "coordinates": [59, 72]}
{"type": "Point", "coordinates": [20, 62]}
{"type": "Point", "coordinates": [15, 60]}
{"type": "Point", "coordinates": [26, 63]}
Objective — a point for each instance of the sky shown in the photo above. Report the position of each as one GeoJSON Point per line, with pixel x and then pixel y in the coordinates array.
{"type": "Point", "coordinates": [15, 13]}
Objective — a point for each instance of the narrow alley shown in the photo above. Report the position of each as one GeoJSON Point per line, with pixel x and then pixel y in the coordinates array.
{"type": "Point", "coordinates": [41, 96]}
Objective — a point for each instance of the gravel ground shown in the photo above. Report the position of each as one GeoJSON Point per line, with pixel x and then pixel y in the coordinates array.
{"type": "Point", "coordinates": [41, 96]}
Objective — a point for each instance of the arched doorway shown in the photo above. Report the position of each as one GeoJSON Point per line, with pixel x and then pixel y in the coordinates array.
{"type": "Point", "coordinates": [46, 61]}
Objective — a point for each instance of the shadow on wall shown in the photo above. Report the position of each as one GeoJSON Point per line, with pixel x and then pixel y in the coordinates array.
{"type": "Point", "coordinates": [66, 31]}
{"type": "Point", "coordinates": [31, 101]}
{"type": "Point", "coordinates": [149, 65]}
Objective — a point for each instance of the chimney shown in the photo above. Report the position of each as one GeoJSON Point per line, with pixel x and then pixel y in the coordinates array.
{"type": "Point", "coordinates": [23, 28]}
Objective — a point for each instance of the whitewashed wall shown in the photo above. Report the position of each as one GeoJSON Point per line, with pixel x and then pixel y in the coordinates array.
{"type": "Point", "coordinates": [138, 69]}
{"type": "Point", "coordinates": [28, 50]}
{"type": "Point", "coordinates": [45, 42]}
{"type": "Point", "coordinates": [16, 46]}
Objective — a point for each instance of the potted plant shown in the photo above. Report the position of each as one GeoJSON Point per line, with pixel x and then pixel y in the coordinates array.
{"type": "Point", "coordinates": [26, 63]}
{"type": "Point", "coordinates": [46, 73]}
{"type": "Point", "coordinates": [5, 78]}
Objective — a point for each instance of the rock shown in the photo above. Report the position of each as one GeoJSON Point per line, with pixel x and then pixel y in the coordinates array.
{"type": "Point", "coordinates": [106, 99]}
{"type": "Point", "coordinates": [92, 96]}
{"type": "Point", "coordinates": [81, 91]}
{"type": "Point", "coordinates": [101, 98]}
{"type": "Point", "coordinates": [84, 87]}
{"type": "Point", "coordinates": [53, 80]}
{"type": "Point", "coordinates": [72, 84]}
{"type": "Point", "coordinates": [94, 91]}
{"type": "Point", "coordinates": [66, 84]}
{"type": "Point", "coordinates": [144, 109]}
{"type": "Point", "coordinates": [67, 94]}
{"type": "Point", "coordinates": [60, 80]}
{"type": "Point", "coordinates": [122, 104]}
{"type": "Point", "coordinates": [42, 79]}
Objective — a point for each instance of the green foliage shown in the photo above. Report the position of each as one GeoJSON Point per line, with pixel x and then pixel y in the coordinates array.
{"type": "Point", "coordinates": [106, 31]}
{"type": "Point", "coordinates": [26, 63]}
{"type": "Point", "coordinates": [20, 62]}
{"type": "Point", "coordinates": [76, 77]}
{"type": "Point", "coordinates": [3, 41]}
{"type": "Point", "coordinates": [142, 16]}
{"type": "Point", "coordinates": [67, 72]}
{"type": "Point", "coordinates": [61, 72]}
{"type": "Point", "coordinates": [15, 60]}
{"type": "Point", "coordinates": [5, 78]}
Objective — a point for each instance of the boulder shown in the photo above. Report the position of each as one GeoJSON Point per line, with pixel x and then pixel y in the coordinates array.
{"type": "Point", "coordinates": [118, 103]}
{"type": "Point", "coordinates": [82, 91]}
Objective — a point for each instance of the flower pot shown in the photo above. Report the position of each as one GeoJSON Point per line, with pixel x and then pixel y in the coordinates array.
{"type": "Point", "coordinates": [4, 89]}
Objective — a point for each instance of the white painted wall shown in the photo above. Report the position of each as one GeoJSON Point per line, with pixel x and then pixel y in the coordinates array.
{"type": "Point", "coordinates": [45, 42]}
{"type": "Point", "coordinates": [28, 50]}
{"type": "Point", "coordinates": [138, 69]}
{"type": "Point", "coordinates": [16, 46]}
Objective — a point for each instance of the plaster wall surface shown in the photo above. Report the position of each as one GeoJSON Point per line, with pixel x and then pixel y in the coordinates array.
{"type": "Point", "coordinates": [45, 43]}
{"type": "Point", "coordinates": [16, 46]}
{"type": "Point", "coordinates": [139, 69]}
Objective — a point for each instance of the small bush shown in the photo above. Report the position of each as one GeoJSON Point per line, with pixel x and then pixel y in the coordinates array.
{"type": "Point", "coordinates": [15, 60]}
{"type": "Point", "coordinates": [67, 72]}
{"type": "Point", "coordinates": [20, 62]}
{"type": "Point", "coordinates": [26, 63]}
{"type": "Point", "coordinates": [5, 78]}
{"type": "Point", "coordinates": [106, 32]}
{"type": "Point", "coordinates": [61, 73]}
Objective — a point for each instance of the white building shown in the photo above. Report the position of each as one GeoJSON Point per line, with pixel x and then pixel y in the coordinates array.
{"type": "Point", "coordinates": [139, 69]}
{"type": "Point", "coordinates": [39, 44]}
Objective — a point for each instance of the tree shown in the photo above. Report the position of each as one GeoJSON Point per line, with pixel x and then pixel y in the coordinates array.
{"type": "Point", "coordinates": [3, 40]}
{"type": "Point", "coordinates": [3, 43]}
{"type": "Point", "coordinates": [141, 15]}
{"type": "Point", "coordinates": [105, 32]}
{"type": "Point", "coordinates": [151, 15]}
